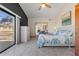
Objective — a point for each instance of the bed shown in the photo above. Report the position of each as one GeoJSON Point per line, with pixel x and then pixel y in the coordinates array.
{"type": "Point", "coordinates": [59, 38]}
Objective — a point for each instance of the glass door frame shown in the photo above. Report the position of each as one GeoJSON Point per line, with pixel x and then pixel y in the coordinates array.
{"type": "Point", "coordinates": [14, 28]}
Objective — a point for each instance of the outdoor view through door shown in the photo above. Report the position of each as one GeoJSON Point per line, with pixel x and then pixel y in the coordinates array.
{"type": "Point", "coordinates": [41, 27]}
{"type": "Point", "coordinates": [7, 29]}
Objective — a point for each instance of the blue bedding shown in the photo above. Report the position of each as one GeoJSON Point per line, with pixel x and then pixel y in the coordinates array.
{"type": "Point", "coordinates": [54, 39]}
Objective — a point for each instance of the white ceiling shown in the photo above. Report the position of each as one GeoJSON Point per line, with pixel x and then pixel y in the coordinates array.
{"type": "Point", "coordinates": [31, 10]}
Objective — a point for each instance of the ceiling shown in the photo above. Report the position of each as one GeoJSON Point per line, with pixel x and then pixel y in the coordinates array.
{"type": "Point", "coordinates": [31, 10]}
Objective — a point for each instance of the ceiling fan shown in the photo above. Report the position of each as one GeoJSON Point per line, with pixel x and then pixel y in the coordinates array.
{"type": "Point", "coordinates": [44, 5]}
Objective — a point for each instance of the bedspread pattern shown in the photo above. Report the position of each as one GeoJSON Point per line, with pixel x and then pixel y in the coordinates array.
{"type": "Point", "coordinates": [53, 40]}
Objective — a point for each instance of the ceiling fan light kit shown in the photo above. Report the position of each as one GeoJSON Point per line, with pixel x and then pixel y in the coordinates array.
{"type": "Point", "coordinates": [44, 5]}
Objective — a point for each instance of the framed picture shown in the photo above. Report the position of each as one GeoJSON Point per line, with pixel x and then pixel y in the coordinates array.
{"type": "Point", "coordinates": [66, 19]}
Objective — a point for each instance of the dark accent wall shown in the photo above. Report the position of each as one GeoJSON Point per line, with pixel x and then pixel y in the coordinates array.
{"type": "Point", "coordinates": [15, 7]}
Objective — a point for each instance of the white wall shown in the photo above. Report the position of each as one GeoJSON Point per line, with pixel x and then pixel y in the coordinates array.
{"type": "Point", "coordinates": [67, 8]}
{"type": "Point", "coordinates": [51, 24]}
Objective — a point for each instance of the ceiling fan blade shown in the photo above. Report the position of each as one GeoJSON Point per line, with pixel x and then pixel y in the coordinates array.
{"type": "Point", "coordinates": [49, 6]}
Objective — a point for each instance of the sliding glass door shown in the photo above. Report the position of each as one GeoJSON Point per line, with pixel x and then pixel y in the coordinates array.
{"type": "Point", "coordinates": [7, 29]}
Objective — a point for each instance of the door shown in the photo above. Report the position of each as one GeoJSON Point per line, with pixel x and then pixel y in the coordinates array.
{"type": "Point", "coordinates": [7, 29]}
{"type": "Point", "coordinates": [77, 30]}
{"type": "Point", "coordinates": [40, 26]}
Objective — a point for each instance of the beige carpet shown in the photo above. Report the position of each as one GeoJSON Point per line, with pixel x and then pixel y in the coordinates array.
{"type": "Point", "coordinates": [30, 49]}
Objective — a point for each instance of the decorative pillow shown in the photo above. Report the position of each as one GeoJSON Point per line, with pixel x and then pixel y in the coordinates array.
{"type": "Point", "coordinates": [62, 32]}
{"type": "Point", "coordinates": [70, 33]}
{"type": "Point", "coordinates": [53, 33]}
